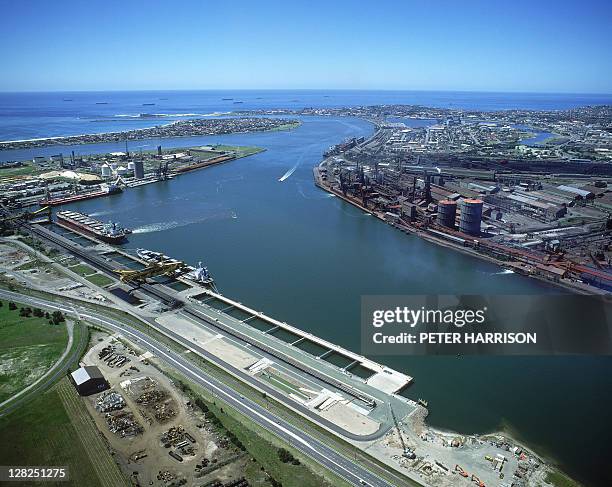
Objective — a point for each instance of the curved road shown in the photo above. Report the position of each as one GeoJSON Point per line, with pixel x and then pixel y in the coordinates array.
{"type": "Point", "coordinates": [345, 468]}
{"type": "Point", "coordinates": [50, 377]}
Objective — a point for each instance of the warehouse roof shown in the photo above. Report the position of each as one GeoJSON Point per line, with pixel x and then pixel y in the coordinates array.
{"type": "Point", "coordinates": [570, 189]}
{"type": "Point", "coordinates": [82, 375]}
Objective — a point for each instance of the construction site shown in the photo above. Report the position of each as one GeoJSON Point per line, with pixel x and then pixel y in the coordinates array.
{"type": "Point", "coordinates": [157, 435]}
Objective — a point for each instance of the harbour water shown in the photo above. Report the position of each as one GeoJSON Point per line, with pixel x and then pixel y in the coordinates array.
{"type": "Point", "coordinates": [305, 257]}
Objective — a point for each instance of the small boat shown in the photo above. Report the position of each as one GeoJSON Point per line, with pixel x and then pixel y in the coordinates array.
{"type": "Point", "coordinates": [148, 104]}
{"type": "Point", "coordinates": [227, 99]}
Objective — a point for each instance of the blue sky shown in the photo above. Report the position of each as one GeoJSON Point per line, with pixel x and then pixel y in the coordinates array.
{"type": "Point", "coordinates": [536, 46]}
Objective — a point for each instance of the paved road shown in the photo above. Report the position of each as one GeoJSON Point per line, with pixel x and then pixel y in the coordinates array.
{"type": "Point", "coordinates": [51, 376]}
{"type": "Point", "coordinates": [198, 315]}
{"type": "Point", "coordinates": [346, 468]}
{"type": "Point", "coordinates": [58, 362]}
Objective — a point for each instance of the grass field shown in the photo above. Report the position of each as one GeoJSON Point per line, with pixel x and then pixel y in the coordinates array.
{"type": "Point", "coordinates": [33, 264]}
{"type": "Point", "coordinates": [28, 348]}
{"type": "Point", "coordinates": [82, 270]}
{"type": "Point", "coordinates": [56, 429]}
{"type": "Point", "coordinates": [99, 279]}
{"type": "Point", "coordinates": [28, 170]}
{"type": "Point", "coordinates": [239, 150]}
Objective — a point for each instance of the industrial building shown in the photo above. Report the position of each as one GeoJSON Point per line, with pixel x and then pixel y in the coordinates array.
{"type": "Point", "coordinates": [138, 169]}
{"type": "Point", "coordinates": [89, 380]}
{"type": "Point", "coordinates": [471, 216]}
{"type": "Point", "coordinates": [447, 213]}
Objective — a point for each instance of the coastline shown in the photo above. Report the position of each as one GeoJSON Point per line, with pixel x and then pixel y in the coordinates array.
{"type": "Point", "coordinates": [572, 287]}
{"type": "Point", "coordinates": [122, 135]}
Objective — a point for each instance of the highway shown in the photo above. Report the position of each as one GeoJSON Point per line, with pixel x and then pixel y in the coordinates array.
{"type": "Point", "coordinates": [197, 315]}
{"type": "Point", "coordinates": [345, 468]}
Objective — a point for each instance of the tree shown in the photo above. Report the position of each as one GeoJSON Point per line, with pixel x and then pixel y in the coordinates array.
{"type": "Point", "coordinates": [12, 306]}
{"type": "Point", "coordinates": [285, 456]}
{"type": "Point", "coordinates": [57, 317]}
{"type": "Point", "coordinates": [1, 304]}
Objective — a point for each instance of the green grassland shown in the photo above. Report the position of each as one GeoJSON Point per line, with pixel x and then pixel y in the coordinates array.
{"type": "Point", "coordinates": [55, 429]}
{"type": "Point", "coordinates": [82, 270]}
{"type": "Point", "coordinates": [28, 348]}
{"type": "Point", "coordinates": [29, 169]}
{"type": "Point", "coordinates": [239, 150]}
{"type": "Point", "coordinates": [99, 279]}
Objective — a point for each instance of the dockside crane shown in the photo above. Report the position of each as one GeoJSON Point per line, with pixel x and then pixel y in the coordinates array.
{"type": "Point", "coordinates": [8, 216]}
{"type": "Point", "coordinates": [407, 452]}
{"type": "Point", "coordinates": [153, 269]}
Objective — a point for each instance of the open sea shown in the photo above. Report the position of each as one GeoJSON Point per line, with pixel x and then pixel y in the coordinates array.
{"type": "Point", "coordinates": [277, 243]}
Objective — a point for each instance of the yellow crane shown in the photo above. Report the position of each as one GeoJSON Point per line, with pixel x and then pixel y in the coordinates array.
{"type": "Point", "coordinates": [153, 269]}
{"type": "Point", "coordinates": [25, 215]}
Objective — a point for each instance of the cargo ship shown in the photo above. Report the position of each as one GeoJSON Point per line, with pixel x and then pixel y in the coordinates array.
{"type": "Point", "coordinates": [197, 274]}
{"type": "Point", "coordinates": [82, 223]}
{"type": "Point", "coordinates": [105, 190]}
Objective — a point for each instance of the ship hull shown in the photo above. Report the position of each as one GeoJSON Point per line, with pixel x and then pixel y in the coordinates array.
{"type": "Point", "coordinates": [76, 197]}
{"type": "Point", "coordinates": [84, 229]}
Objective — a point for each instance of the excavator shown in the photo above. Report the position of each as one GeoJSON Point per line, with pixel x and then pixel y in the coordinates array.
{"type": "Point", "coordinates": [477, 480]}
{"type": "Point", "coordinates": [462, 472]}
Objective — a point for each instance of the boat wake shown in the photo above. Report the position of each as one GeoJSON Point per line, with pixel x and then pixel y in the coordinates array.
{"type": "Point", "coordinates": [101, 213]}
{"type": "Point", "coordinates": [285, 176]}
{"type": "Point", "coordinates": [169, 225]}
{"type": "Point", "coordinates": [504, 272]}
{"type": "Point", "coordinates": [289, 172]}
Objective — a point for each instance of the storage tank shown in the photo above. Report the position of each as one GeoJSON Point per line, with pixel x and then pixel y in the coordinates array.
{"type": "Point", "coordinates": [138, 169]}
{"type": "Point", "coordinates": [121, 171]}
{"type": "Point", "coordinates": [106, 171]}
{"type": "Point", "coordinates": [131, 166]}
{"type": "Point", "coordinates": [447, 212]}
{"type": "Point", "coordinates": [471, 216]}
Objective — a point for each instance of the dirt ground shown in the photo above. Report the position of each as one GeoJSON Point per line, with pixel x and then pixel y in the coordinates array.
{"type": "Point", "coordinates": [159, 420]}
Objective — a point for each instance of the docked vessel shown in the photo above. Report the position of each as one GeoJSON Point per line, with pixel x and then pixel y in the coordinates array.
{"type": "Point", "coordinates": [82, 223]}
{"type": "Point", "coordinates": [105, 190]}
{"type": "Point", "coordinates": [197, 274]}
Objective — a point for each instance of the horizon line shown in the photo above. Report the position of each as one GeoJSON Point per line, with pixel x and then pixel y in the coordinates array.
{"type": "Point", "coordinates": [131, 90]}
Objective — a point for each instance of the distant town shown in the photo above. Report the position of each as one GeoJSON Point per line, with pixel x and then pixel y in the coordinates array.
{"type": "Point", "coordinates": [181, 128]}
{"type": "Point", "coordinates": [579, 135]}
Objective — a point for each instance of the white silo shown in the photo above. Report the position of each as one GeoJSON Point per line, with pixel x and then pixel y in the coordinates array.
{"type": "Point", "coordinates": [106, 171]}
